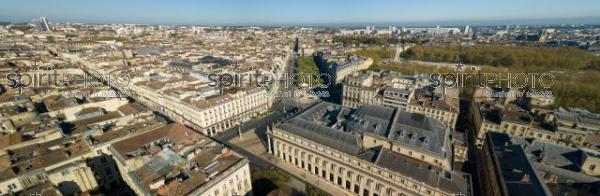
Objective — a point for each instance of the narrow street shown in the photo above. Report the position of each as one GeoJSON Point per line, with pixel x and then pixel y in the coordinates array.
{"type": "Point", "coordinates": [468, 127]}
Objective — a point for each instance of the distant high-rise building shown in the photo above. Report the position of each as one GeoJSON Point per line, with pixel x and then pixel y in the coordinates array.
{"type": "Point", "coordinates": [507, 27]}
{"type": "Point", "coordinates": [467, 30]}
{"type": "Point", "coordinates": [392, 29]}
{"type": "Point", "coordinates": [370, 29]}
{"type": "Point", "coordinates": [42, 25]}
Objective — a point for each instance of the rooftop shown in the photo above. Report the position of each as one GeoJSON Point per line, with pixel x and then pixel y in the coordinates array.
{"type": "Point", "coordinates": [563, 161]}
{"type": "Point", "coordinates": [578, 116]}
{"type": "Point", "coordinates": [340, 128]}
{"type": "Point", "coordinates": [179, 160]}
{"type": "Point", "coordinates": [516, 114]}
{"type": "Point", "coordinates": [518, 173]}
{"type": "Point", "coordinates": [36, 156]}
{"type": "Point", "coordinates": [436, 103]}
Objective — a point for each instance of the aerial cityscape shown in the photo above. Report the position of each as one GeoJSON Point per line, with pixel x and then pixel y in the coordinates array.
{"type": "Point", "coordinates": [315, 98]}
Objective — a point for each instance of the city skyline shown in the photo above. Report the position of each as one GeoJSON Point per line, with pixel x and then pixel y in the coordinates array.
{"type": "Point", "coordinates": [314, 13]}
{"type": "Point", "coordinates": [330, 97]}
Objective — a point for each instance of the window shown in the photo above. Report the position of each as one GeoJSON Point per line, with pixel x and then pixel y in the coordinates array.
{"type": "Point", "coordinates": [592, 167]}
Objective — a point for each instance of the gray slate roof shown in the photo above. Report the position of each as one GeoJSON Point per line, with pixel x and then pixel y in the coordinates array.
{"type": "Point", "coordinates": [321, 124]}
{"type": "Point", "coordinates": [517, 171]}
{"type": "Point", "coordinates": [420, 132]}
{"type": "Point", "coordinates": [318, 128]}
{"type": "Point", "coordinates": [372, 119]}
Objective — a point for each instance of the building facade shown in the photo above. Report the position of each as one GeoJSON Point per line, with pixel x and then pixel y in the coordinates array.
{"type": "Point", "coordinates": [569, 127]}
{"type": "Point", "coordinates": [384, 88]}
{"type": "Point", "coordinates": [209, 115]}
{"type": "Point", "coordinates": [444, 110]}
{"type": "Point", "coordinates": [372, 150]}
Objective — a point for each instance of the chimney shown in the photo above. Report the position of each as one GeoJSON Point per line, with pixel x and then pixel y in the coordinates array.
{"type": "Point", "coordinates": [525, 178]}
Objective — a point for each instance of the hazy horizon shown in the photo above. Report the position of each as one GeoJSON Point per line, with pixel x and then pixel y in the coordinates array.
{"type": "Point", "coordinates": [305, 13]}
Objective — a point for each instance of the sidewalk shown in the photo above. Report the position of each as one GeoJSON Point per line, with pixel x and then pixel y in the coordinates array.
{"type": "Point", "coordinates": [252, 144]}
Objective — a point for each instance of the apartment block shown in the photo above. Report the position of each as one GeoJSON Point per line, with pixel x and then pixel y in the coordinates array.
{"type": "Point", "coordinates": [385, 88]}
{"type": "Point", "coordinates": [435, 106]}
{"type": "Point", "coordinates": [570, 127]}
{"type": "Point", "coordinates": [175, 160]}
{"type": "Point", "coordinates": [506, 170]}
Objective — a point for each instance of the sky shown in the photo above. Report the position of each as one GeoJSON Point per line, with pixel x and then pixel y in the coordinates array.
{"type": "Point", "coordinates": [292, 12]}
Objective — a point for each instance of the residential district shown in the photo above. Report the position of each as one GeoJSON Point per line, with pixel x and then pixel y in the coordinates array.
{"type": "Point", "coordinates": [120, 109]}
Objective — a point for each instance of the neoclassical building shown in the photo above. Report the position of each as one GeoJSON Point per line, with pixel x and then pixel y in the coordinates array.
{"type": "Point", "coordinates": [371, 150]}
{"type": "Point", "coordinates": [209, 114]}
